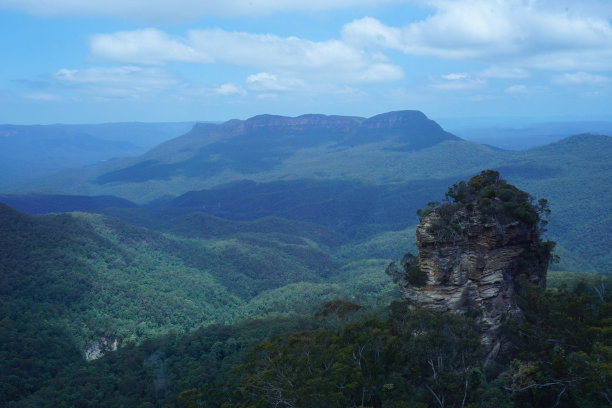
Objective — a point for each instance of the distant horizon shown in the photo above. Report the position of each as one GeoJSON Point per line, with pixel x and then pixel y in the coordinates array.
{"type": "Point", "coordinates": [462, 122]}
{"type": "Point", "coordinates": [509, 133]}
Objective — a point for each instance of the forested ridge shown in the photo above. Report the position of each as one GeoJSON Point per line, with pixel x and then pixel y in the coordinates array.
{"type": "Point", "coordinates": [214, 312]}
{"type": "Point", "coordinates": [71, 281]}
{"type": "Point", "coordinates": [360, 176]}
{"type": "Point", "coordinates": [345, 356]}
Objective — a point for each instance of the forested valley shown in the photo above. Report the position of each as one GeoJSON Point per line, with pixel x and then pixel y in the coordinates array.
{"type": "Point", "coordinates": [211, 278]}
{"type": "Point", "coordinates": [289, 319]}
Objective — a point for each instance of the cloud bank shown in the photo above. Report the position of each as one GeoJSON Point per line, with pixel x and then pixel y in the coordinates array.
{"type": "Point", "coordinates": [532, 34]}
{"type": "Point", "coordinates": [287, 56]}
{"type": "Point", "coordinates": [124, 82]}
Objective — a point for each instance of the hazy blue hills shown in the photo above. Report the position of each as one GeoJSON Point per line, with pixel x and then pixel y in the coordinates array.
{"type": "Point", "coordinates": [521, 136]}
{"type": "Point", "coordinates": [38, 203]}
{"type": "Point", "coordinates": [389, 148]}
{"type": "Point", "coordinates": [263, 142]}
{"type": "Point", "coordinates": [357, 176]}
{"type": "Point", "coordinates": [573, 174]}
{"type": "Point", "coordinates": [351, 208]}
{"type": "Point", "coordinates": [246, 146]}
{"type": "Point", "coordinates": [30, 151]}
{"type": "Point", "coordinates": [577, 185]}
{"type": "Point", "coordinates": [411, 130]}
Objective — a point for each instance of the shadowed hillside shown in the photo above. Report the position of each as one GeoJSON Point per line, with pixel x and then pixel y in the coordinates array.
{"type": "Point", "coordinates": [355, 175]}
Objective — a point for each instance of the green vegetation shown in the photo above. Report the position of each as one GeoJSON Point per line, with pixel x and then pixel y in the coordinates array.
{"type": "Point", "coordinates": [492, 199]}
{"type": "Point", "coordinates": [572, 174]}
{"type": "Point", "coordinates": [162, 370]}
{"type": "Point", "coordinates": [230, 313]}
{"type": "Point", "coordinates": [389, 157]}
{"type": "Point", "coordinates": [69, 281]}
{"type": "Point", "coordinates": [406, 358]}
{"type": "Point", "coordinates": [575, 188]}
{"type": "Point", "coordinates": [345, 355]}
{"type": "Point", "coordinates": [409, 273]}
{"type": "Point", "coordinates": [564, 348]}
{"type": "Point", "coordinates": [121, 281]}
{"type": "Point", "coordinates": [569, 280]}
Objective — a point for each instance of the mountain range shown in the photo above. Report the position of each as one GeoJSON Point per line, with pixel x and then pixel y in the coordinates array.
{"type": "Point", "coordinates": [521, 135]}
{"type": "Point", "coordinates": [258, 223]}
{"type": "Point", "coordinates": [31, 151]}
{"type": "Point", "coordinates": [359, 176]}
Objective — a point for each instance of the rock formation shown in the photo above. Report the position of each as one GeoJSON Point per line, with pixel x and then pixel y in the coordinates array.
{"type": "Point", "coordinates": [100, 347]}
{"type": "Point", "coordinates": [471, 251]}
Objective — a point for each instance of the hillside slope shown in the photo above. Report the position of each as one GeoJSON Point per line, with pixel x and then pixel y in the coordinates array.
{"type": "Point", "coordinates": [76, 284]}
{"type": "Point", "coordinates": [355, 175]}
{"type": "Point", "coordinates": [574, 175]}
{"type": "Point", "coordinates": [28, 152]}
{"type": "Point", "coordinates": [266, 148]}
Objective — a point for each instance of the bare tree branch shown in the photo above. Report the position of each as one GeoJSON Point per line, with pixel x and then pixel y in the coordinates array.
{"type": "Point", "coordinates": [439, 399]}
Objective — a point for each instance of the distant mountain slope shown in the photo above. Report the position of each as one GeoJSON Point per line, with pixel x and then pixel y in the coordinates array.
{"type": "Point", "coordinates": [575, 175]}
{"type": "Point", "coordinates": [411, 130]}
{"type": "Point", "coordinates": [38, 203]}
{"type": "Point", "coordinates": [29, 151]}
{"type": "Point", "coordinates": [263, 142]}
{"type": "Point", "coordinates": [354, 209]}
{"type": "Point", "coordinates": [194, 224]}
{"type": "Point", "coordinates": [521, 137]}
{"type": "Point", "coordinates": [356, 175]}
{"type": "Point", "coordinates": [386, 148]}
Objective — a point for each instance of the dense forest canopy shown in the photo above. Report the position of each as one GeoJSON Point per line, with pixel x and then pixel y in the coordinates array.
{"type": "Point", "coordinates": [279, 344]}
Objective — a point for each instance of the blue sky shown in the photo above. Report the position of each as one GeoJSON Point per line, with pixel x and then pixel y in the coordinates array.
{"type": "Point", "coordinates": [76, 61]}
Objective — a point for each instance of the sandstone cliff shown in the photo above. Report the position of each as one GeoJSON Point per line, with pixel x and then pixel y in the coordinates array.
{"type": "Point", "coordinates": [471, 251]}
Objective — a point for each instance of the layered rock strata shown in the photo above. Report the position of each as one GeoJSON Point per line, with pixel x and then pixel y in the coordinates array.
{"type": "Point", "coordinates": [469, 262]}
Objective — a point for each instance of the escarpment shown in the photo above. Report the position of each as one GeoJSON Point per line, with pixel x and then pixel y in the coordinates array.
{"type": "Point", "coordinates": [472, 249]}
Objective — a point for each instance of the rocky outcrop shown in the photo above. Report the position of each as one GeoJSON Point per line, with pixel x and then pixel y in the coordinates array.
{"type": "Point", "coordinates": [99, 347]}
{"type": "Point", "coordinates": [471, 252]}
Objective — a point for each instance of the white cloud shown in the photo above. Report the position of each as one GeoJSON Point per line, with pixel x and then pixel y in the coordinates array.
{"type": "Point", "coordinates": [116, 82]}
{"type": "Point", "coordinates": [148, 47]}
{"type": "Point", "coordinates": [580, 78]}
{"type": "Point", "coordinates": [264, 81]}
{"type": "Point", "coordinates": [290, 56]}
{"type": "Point", "coordinates": [230, 90]}
{"type": "Point", "coordinates": [164, 11]}
{"type": "Point", "coordinates": [504, 73]}
{"type": "Point", "coordinates": [43, 97]}
{"type": "Point", "coordinates": [517, 89]}
{"type": "Point", "coordinates": [522, 89]}
{"type": "Point", "coordinates": [455, 76]}
{"type": "Point", "coordinates": [527, 33]}
{"type": "Point", "coordinates": [457, 82]}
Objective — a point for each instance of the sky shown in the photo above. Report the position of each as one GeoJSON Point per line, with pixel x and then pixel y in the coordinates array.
{"type": "Point", "coordinates": [93, 61]}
